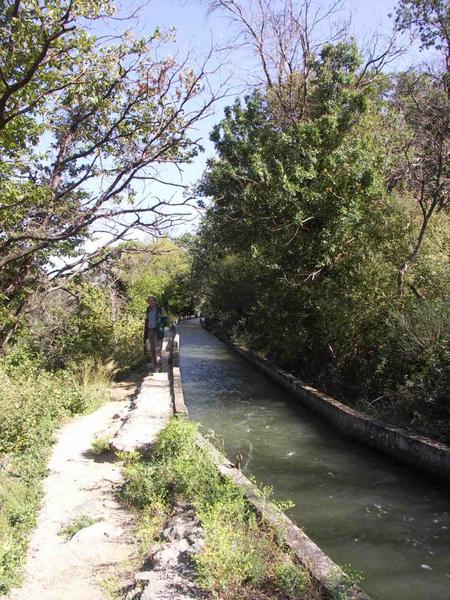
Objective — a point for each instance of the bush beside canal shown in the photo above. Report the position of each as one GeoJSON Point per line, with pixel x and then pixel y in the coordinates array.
{"type": "Point", "coordinates": [242, 557]}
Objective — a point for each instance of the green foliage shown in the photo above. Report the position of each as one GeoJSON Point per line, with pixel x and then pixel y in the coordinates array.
{"type": "Point", "coordinates": [414, 361]}
{"type": "Point", "coordinates": [292, 579]}
{"type": "Point", "coordinates": [80, 120]}
{"type": "Point", "coordinates": [236, 555]}
{"type": "Point", "coordinates": [19, 503]}
{"type": "Point", "coordinates": [178, 467]}
{"type": "Point", "coordinates": [310, 221]}
{"type": "Point", "coordinates": [33, 403]}
{"type": "Point", "coordinates": [429, 18]}
{"type": "Point", "coordinates": [150, 525]}
{"type": "Point", "coordinates": [100, 445]}
{"type": "Point", "coordinates": [241, 555]}
{"type": "Point", "coordinates": [102, 315]}
{"type": "Point", "coordinates": [161, 269]}
{"type": "Point", "coordinates": [90, 326]}
{"type": "Point", "coordinates": [344, 581]}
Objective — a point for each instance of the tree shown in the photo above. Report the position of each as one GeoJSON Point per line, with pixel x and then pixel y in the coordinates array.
{"type": "Point", "coordinates": [423, 99]}
{"type": "Point", "coordinates": [284, 39]}
{"type": "Point", "coordinates": [100, 313]}
{"type": "Point", "coordinates": [84, 129]}
{"type": "Point", "coordinates": [310, 218]}
{"type": "Point", "coordinates": [425, 110]}
{"type": "Point", "coordinates": [159, 268]}
{"type": "Point", "coordinates": [430, 21]}
{"type": "Point", "coordinates": [273, 189]}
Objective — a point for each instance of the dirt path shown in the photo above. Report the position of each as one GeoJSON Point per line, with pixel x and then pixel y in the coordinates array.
{"type": "Point", "coordinates": [81, 484]}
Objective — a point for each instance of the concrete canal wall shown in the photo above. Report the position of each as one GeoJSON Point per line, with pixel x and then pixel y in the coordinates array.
{"type": "Point", "coordinates": [426, 454]}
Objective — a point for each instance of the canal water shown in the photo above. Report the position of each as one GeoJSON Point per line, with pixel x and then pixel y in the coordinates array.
{"type": "Point", "coordinates": [385, 520]}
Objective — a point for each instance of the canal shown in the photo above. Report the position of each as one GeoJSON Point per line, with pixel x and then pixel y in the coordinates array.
{"type": "Point", "coordinates": [363, 509]}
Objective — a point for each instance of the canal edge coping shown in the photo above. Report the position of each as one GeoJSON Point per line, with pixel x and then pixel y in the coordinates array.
{"type": "Point", "coordinates": [320, 566]}
{"type": "Point", "coordinates": [415, 450]}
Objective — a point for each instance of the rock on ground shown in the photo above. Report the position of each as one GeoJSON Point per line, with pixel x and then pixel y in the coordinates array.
{"type": "Point", "coordinates": [172, 575]}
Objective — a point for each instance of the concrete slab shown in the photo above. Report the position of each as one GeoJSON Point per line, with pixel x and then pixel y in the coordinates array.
{"type": "Point", "coordinates": [151, 411]}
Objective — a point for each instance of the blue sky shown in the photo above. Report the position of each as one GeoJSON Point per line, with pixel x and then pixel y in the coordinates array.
{"type": "Point", "coordinates": [196, 31]}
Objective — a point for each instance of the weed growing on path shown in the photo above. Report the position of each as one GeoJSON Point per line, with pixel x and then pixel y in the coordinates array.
{"type": "Point", "coordinates": [100, 445]}
{"type": "Point", "coordinates": [73, 528]}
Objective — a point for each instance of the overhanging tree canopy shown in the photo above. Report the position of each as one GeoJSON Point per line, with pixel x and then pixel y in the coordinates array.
{"type": "Point", "coordinates": [84, 127]}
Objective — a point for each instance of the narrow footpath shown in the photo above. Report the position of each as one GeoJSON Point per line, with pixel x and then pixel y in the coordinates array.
{"type": "Point", "coordinates": [102, 559]}
{"type": "Point", "coordinates": [80, 485]}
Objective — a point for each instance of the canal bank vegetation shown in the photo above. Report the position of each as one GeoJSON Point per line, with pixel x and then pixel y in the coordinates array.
{"type": "Point", "coordinates": [242, 557]}
{"type": "Point", "coordinates": [324, 246]}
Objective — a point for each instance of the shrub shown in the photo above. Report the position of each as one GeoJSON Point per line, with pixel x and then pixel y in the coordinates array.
{"type": "Point", "coordinates": [415, 366]}
{"type": "Point", "coordinates": [237, 555]}
{"type": "Point", "coordinates": [34, 402]}
{"type": "Point", "coordinates": [100, 445]}
{"type": "Point", "coordinates": [292, 579]}
{"type": "Point", "coordinates": [19, 502]}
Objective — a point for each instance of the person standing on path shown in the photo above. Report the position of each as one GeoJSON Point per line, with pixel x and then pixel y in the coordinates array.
{"type": "Point", "coordinates": [155, 321]}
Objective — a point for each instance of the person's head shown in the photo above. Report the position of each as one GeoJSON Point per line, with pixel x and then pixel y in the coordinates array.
{"type": "Point", "coordinates": [151, 301]}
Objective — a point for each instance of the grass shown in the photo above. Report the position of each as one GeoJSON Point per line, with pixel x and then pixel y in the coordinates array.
{"type": "Point", "coordinates": [292, 580]}
{"type": "Point", "coordinates": [73, 528]}
{"type": "Point", "coordinates": [344, 581]}
{"type": "Point", "coordinates": [100, 445]}
{"type": "Point", "coordinates": [242, 557]}
{"type": "Point", "coordinates": [34, 403]}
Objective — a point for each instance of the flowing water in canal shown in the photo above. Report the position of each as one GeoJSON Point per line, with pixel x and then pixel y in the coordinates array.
{"type": "Point", "coordinates": [361, 508]}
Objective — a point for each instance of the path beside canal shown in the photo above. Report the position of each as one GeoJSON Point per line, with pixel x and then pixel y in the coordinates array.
{"type": "Point", "coordinates": [80, 488]}
{"type": "Point", "coordinates": [102, 559]}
